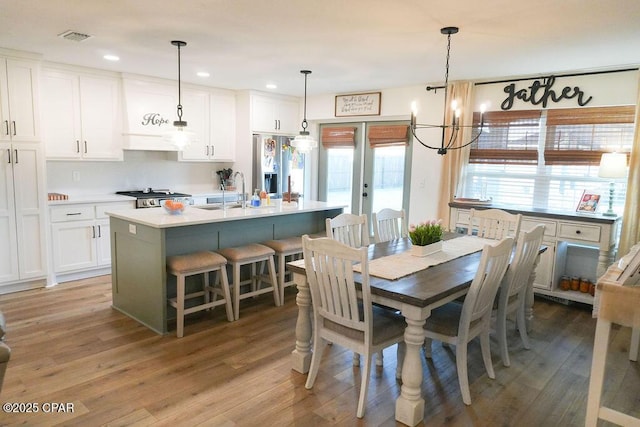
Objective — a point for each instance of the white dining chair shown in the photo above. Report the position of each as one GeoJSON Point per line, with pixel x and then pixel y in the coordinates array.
{"type": "Point", "coordinates": [350, 229]}
{"type": "Point", "coordinates": [513, 289]}
{"type": "Point", "coordinates": [457, 324]}
{"type": "Point", "coordinates": [494, 223]}
{"type": "Point", "coordinates": [340, 314]}
{"type": "Point", "coordinates": [389, 224]}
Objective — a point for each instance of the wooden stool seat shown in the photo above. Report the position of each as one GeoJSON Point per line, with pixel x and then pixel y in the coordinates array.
{"type": "Point", "coordinates": [203, 262]}
{"type": "Point", "coordinates": [289, 247]}
{"type": "Point", "coordinates": [250, 255]}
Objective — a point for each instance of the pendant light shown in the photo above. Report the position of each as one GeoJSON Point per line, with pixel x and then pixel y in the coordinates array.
{"type": "Point", "coordinates": [303, 142]}
{"type": "Point", "coordinates": [180, 137]}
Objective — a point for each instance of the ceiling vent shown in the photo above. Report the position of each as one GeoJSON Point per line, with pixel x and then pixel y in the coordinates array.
{"type": "Point", "coordinates": [74, 36]}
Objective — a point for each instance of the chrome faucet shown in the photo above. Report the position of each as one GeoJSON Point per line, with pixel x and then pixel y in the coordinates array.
{"type": "Point", "coordinates": [223, 188]}
{"type": "Point", "coordinates": [244, 194]}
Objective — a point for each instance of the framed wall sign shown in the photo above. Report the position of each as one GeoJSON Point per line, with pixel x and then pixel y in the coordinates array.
{"type": "Point", "coordinates": [358, 104]}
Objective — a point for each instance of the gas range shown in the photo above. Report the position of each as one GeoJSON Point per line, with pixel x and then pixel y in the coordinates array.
{"type": "Point", "coordinates": [149, 198]}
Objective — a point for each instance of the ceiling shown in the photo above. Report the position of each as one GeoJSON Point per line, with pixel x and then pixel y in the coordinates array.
{"type": "Point", "coordinates": [350, 45]}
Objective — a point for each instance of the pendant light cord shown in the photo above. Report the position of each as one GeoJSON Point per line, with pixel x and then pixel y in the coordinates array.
{"type": "Point", "coordinates": [304, 119]}
{"type": "Point", "coordinates": [179, 90]}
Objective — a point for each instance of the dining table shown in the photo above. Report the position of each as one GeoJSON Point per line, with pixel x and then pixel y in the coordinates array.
{"type": "Point", "coordinates": [412, 285]}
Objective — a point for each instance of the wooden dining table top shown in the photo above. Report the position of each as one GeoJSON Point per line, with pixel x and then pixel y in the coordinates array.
{"type": "Point", "coordinates": [423, 288]}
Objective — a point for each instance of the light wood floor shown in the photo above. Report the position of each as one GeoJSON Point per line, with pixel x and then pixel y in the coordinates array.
{"type": "Point", "coordinates": [70, 346]}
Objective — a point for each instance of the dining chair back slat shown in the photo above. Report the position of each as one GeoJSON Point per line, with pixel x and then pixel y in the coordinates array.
{"type": "Point", "coordinates": [494, 224]}
{"type": "Point", "coordinates": [389, 224]}
{"type": "Point", "coordinates": [350, 229]}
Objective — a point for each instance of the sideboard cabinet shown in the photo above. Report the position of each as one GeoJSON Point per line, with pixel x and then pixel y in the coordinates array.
{"type": "Point", "coordinates": [578, 246]}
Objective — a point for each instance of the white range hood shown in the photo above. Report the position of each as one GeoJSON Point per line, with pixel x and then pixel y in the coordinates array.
{"type": "Point", "coordinates": [149, 112]}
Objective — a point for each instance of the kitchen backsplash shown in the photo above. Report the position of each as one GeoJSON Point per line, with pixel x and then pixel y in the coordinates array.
{"type": "Point", "coordinates": [140, 169]}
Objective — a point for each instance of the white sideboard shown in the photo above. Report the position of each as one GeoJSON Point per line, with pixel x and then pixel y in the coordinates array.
{"type": "Point", "coordinates": [578, 245]}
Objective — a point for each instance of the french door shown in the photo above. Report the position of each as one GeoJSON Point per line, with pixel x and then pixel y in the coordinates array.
{"type": "Point", "coordinates": [364, 176]}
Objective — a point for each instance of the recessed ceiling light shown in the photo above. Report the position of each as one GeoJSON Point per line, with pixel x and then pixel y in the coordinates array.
{"type": "Point", "coordinates": [271, 86]}
{"type": "Point", "coordinates": [202, 74]}
{"type": "Point", "coordinates": [111, 58]}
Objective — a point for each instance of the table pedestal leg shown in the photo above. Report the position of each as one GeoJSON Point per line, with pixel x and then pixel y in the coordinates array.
{"type": "Point", "coordinates": [301, 356]}
{"type": "Point", "coordinates": [410, 404]}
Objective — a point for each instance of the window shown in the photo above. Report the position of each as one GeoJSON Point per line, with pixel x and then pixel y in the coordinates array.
{"type": "Point", "coordinates": [547, 158]}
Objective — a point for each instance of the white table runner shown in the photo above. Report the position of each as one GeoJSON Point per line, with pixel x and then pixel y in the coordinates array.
{"type": "Point", "coordinates": [394, 267]}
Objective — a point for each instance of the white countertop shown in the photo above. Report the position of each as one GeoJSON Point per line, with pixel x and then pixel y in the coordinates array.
{"type": "Point", "coordinates": [159, 218]}
{"type": "Point", "coordinates": [92, 198]}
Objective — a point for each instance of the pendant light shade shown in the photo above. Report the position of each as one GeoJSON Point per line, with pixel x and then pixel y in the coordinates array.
{"type": "Point", "coordinates": [304, 142]}
{"type": "Point", "coordinates": [180, 136]}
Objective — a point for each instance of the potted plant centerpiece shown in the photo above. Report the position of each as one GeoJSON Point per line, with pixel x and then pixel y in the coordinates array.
{"type": "Point", "coordinates": [426, 238]}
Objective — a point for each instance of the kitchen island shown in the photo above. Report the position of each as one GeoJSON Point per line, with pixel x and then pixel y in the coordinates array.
{"type": "Point", "coordinates": [141, 239]}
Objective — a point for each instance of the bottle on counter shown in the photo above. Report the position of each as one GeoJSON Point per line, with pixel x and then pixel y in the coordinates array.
{"type": "Point", "coordinates": [255, 199]}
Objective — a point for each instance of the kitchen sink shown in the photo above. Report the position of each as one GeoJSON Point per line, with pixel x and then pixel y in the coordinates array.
{"type": "Point", "coordinates": [218, 207]}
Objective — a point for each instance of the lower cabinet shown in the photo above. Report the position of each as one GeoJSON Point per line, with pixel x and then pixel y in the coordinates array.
{"type": "Point", "coordinates": [80, 238]}
{"type": "Point", "coordinates": [578, 247]}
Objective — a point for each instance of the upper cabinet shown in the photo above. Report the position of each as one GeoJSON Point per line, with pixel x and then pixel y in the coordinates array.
{"type": "Point", "coordinates": [212, 117]}
{"type": "Point", "coordinates": [81, 116]}
{"type": "Point", "coordinates": [18, 100]}
{"type": "Point", "coordinates": [275, 115]}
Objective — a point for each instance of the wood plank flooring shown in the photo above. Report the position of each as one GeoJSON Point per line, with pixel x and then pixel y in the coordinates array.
{"type": "Point", "coordinates": [69, 346]}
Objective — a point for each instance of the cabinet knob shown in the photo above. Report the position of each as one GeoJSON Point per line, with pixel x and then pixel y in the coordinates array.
{"type": "Point", "coordinates": [578, 231]}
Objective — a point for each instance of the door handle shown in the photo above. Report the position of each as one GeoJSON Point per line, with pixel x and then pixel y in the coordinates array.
{"type": "Point", "coordinates": [15, 152]}
{"type": "Point", "coordinates": [99, 232]}
{"type": "Point", "coordinates": [85, 147]}
{"type": "Point", "coordinates": [77, 146]}
{"type": "Point", "coordinates": [207, 150]}
{"type": "Point", "coordinates": [6, 127]}
{"type": "Point", "coordinates": [93, 228]}
{"type": "Point", "coordinates": [14, 127]}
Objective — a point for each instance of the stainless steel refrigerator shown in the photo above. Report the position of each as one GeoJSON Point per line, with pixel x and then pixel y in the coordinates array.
{"type": "Point", "coordinates": [275, 164]}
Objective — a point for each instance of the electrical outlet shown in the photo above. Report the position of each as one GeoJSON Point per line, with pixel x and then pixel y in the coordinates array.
{"type": "Point", "coordinates": [132, 229]}
{"type": "Point", "coordinates": [76, 176]}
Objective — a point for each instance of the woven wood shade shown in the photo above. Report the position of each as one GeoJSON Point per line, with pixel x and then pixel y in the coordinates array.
{"type": "Point", "coordinates": [388, 135]}
{"type": "Point", "coordinates": [337, 137]}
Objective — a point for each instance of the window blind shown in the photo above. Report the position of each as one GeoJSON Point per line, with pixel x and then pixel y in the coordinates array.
{"type": "Point", "coordinates": [508, 137]}
{"type": "Point", "coordinates": [389, 135]}
{"type": "Point", "coordinates": [338, 137]}
{"type": "Point", "coordinates": [582, 135]}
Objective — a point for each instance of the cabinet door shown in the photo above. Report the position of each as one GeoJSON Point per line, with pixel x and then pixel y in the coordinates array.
{"type": "Point", "coordinates": [30, 202]}
{"type": "Point", "coordinates": [8, 244]}
{"type": "Point", "coordinates": [287, 113]}
{"type": "Point", "coordinates": [263, 114]}
{"type": "Point", "coordinates": [103, 242]}
{"type": "Point", "coordinates": [99, 117]}
{"type": "Point", "coordinates": [196, 112]}
{"type": "Point", "coordinates": [223, 127]}
{"type": "Point", "coordinates": [61, 130]}
{"type": "Point", "coordinates": [20, 105]}
{"type": "Point", "coordinates": [74, 245]}
{"type": "Point", "coordinates": [544, 270]}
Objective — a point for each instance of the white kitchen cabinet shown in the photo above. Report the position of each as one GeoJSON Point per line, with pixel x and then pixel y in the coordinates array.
{"type": "Point", "coordinates": [212, 117]}
{"type": "Point", "coordinates": [80, 237]}
{"type": "Point", "coordinates": [19, 100]}
{"type": "Point", "coordinates": [81, 116]}
{"type": "Point", "coordinates": [23, 255]}
{"type": "Point", "coordinates": [577, 246]}
{"type": "Point", "coordinates": [275, 115]}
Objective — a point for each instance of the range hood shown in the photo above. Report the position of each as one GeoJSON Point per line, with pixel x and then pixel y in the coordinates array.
{"type": "Point", "coordinates": [149, 110]}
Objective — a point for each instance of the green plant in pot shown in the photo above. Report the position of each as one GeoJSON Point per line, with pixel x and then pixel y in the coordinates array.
{"type": "Point", "coordinates": [426, 237]}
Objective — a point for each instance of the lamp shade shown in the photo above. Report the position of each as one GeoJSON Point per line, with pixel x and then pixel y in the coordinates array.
{"type": "Point", "coordinates": [613, 165]}
{"type": "Point", "coordinates": [304, 143]}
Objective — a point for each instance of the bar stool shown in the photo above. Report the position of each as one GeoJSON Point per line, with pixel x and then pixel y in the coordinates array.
{"type": "Point", "coordinates": [250, 254]}
{"type": "Point", "coordinates": [203, 262]}
{"type": "Point", "coordinates": [289, 247]}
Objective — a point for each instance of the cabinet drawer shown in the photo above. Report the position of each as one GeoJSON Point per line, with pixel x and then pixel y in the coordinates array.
{"type": "Point", "coordinates": [72, 213]}
{"type": "Point", "coordinates": [530, 224]}
{"type": "Point", "coordinates": [102, 208]}
{"type": "Point", "coordinates": [589, 233]}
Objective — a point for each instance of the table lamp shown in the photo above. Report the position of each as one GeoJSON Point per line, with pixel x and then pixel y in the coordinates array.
{"type": "Point", "coordinates": [612, 166]}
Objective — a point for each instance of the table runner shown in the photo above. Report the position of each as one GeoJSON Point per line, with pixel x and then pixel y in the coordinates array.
{"type": "Point", "coordinates": [396, 266]}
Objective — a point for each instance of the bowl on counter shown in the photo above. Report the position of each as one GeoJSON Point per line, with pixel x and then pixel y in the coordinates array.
{"type": "Point", "coordinates": [173, 207]}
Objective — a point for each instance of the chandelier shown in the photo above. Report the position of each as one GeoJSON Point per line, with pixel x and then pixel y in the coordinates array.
{"type": "Point", "coordinates": [454, 126]}
{"type": "Point", "coordinates": [180, 137]}
{"type": "Point", "coordinates": [303, 142]}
